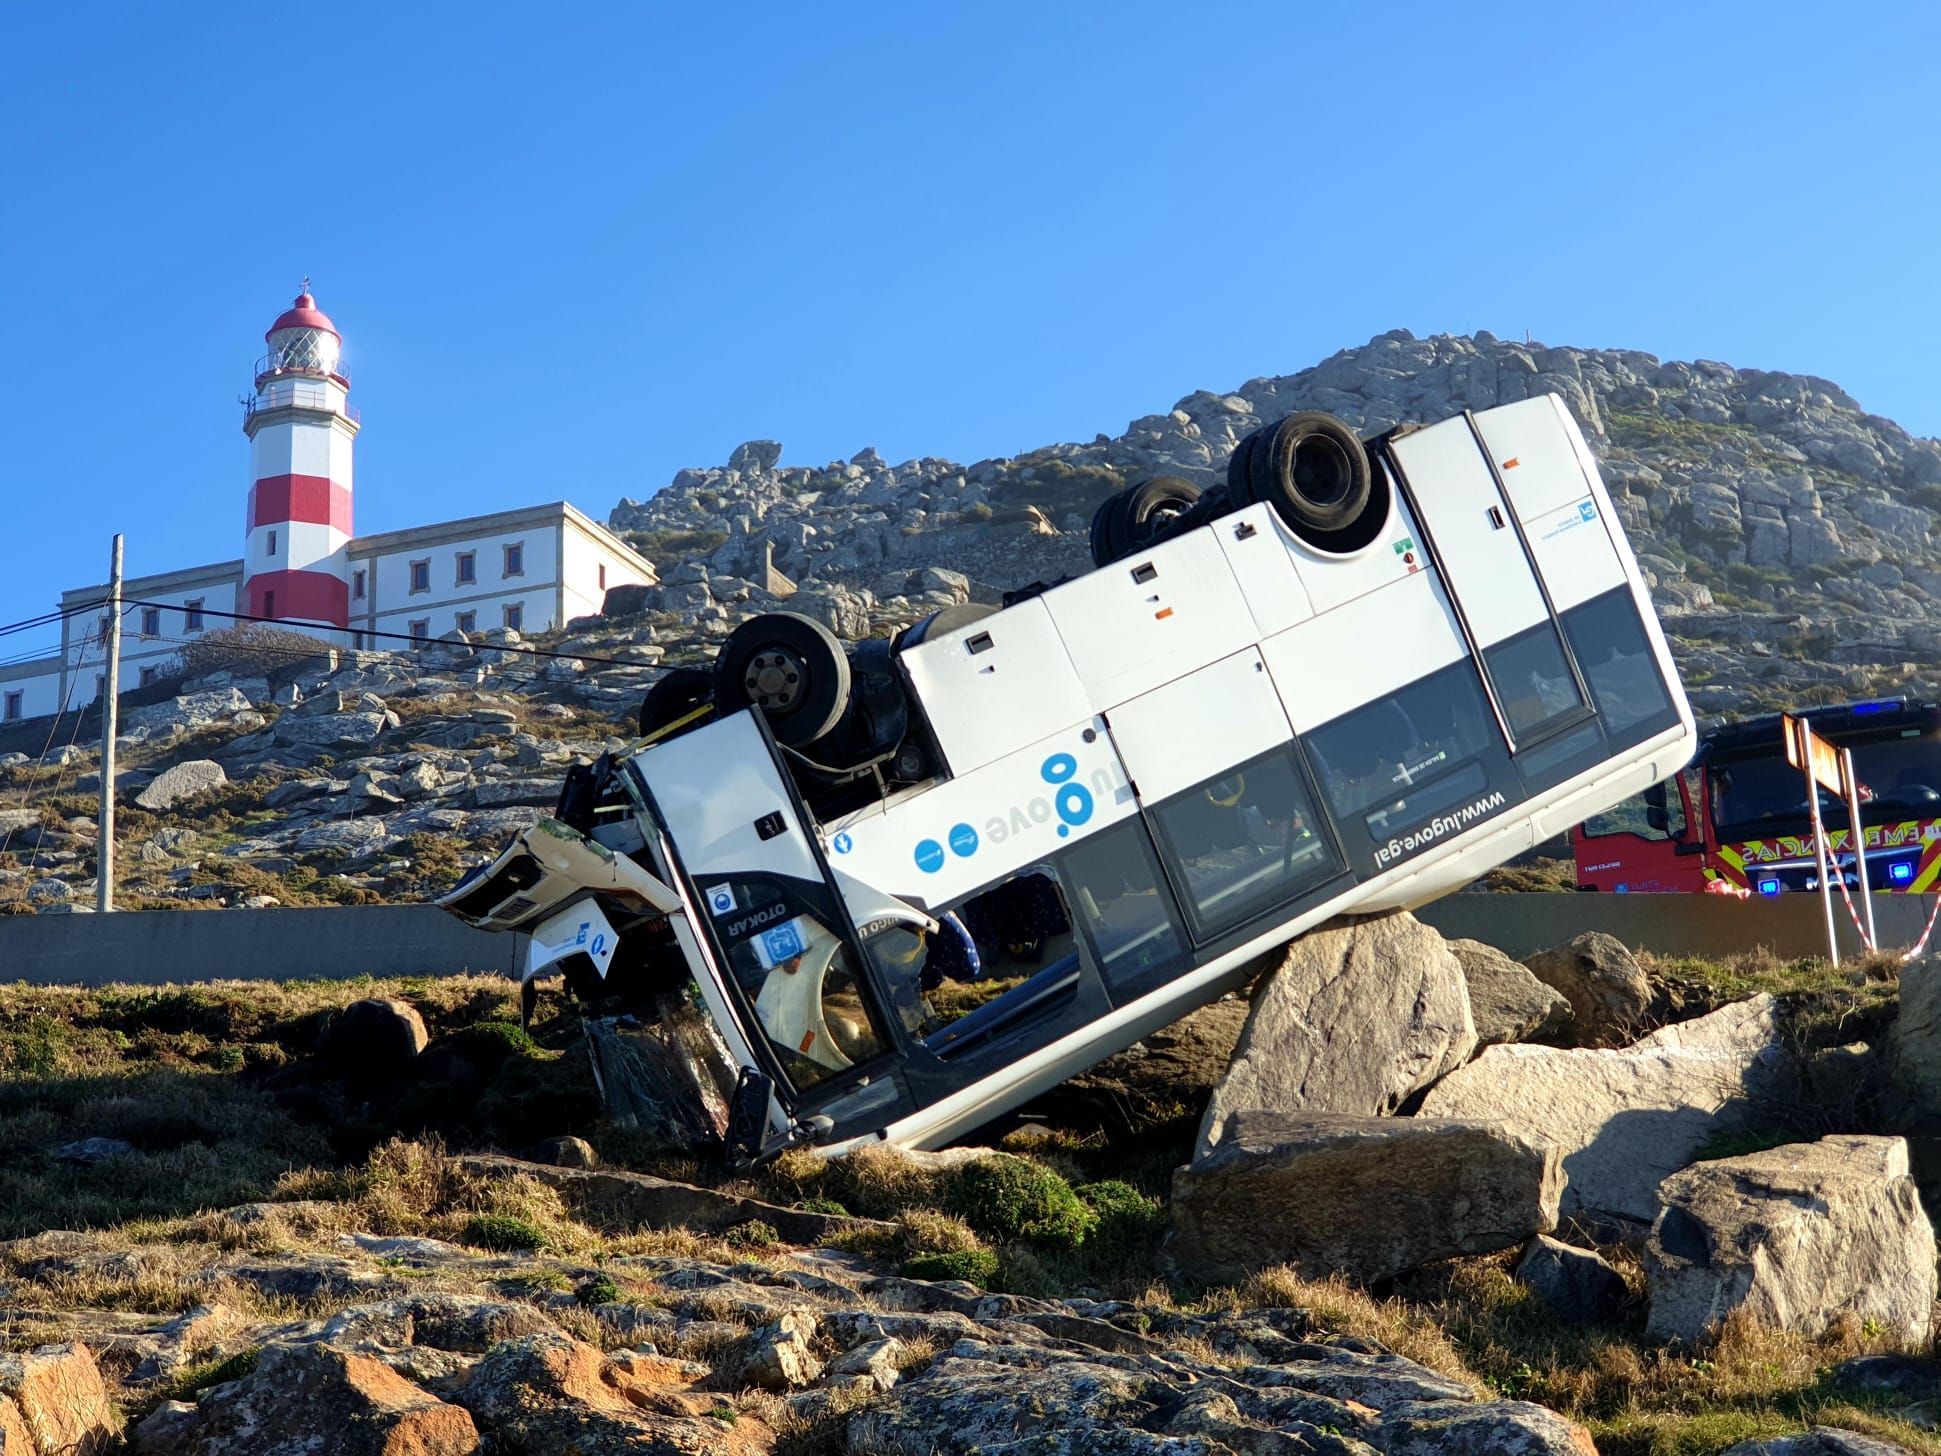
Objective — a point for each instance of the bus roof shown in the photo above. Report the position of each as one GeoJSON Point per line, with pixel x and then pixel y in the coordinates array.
{"type": "Point", "coordinates": [1848, 722]}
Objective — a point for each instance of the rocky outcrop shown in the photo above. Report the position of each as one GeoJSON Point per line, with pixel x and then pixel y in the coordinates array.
{"type": "Point", "coordinates": [1506, 1002]}
{"type": "Point", "coordinates": [1795, 1238]}
{"type": "Point", "coordinates": [1603, 982]}
{"type": "Point", "coordinates": [1624, 1120]}
{"type": "Point", "coordinates": [1358, 1017]}
{"type": "Point", "coordinates": [378, 1038]}
{"type": "Point", "coordinates": [993, 1398]}
{"type": "Point", "coordinates": [53, 1403]}
{"type": "Point", "coordinates": [1363, 1196]}
{"type": "Point", "coordinates": [1819, 1441]}
{"type": "Point", "coordinates": [298, 1394]}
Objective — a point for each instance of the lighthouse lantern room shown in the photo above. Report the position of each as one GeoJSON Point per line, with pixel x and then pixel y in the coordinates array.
{"type": "Point", "coordinates": [301, 428]}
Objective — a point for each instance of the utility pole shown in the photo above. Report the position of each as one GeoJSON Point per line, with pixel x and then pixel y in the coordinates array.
{"type": "Point", "coordinates": [104, 857]}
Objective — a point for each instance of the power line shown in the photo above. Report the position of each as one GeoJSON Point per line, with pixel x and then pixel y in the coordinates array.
{"type": "Point", "coordinates": [401, 637]}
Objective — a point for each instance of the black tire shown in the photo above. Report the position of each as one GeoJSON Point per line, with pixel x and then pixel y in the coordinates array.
{"type": "Point", "coordinates": [1313, 470]}
{"type": "Point", "coordinates": [1108, 533]}
{"type": "Point", "coordinates": [1239, 475]}
{"type": "Point", "coordinates": [789, 666]}
{"type": "Point", "coordinates": [1150, 508]}
{"type": "Point", "coordinates": [676, 694]}
{"type": "Point", "coordinates": [946, 619]}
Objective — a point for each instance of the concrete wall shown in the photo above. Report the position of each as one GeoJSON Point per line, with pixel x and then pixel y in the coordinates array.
{"type": "Point", "coordinates": [1704, 925]}
{"type": "Point", "coordinates": [156, 947]}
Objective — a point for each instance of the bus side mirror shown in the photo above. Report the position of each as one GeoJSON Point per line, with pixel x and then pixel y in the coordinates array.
{"type": "Point", "coordinates": [1657, 815]}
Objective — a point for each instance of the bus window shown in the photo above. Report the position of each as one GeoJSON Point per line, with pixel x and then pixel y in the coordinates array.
{"type": "Point", "coordinates": [1407, 756]}
{"type": "Point", "coordinates": [1126, 910]}
{"type": "Point", "coordinates": [1245, 842]}
{"type": "Point", "coordinates": [1013, 954]}
{"type": "Point", "coordinates": [1005, 957]}
{"type": "Point", "coordinates": [1532, 679]}
{"type": "Point", "coordinates": [1610, 644]}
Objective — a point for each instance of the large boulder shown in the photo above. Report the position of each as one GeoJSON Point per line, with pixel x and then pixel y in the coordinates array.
{"type": "Point", "coordinates": [1627, 1119]}
{"type": "Point", "coordinates": [551, 1393]}
{"type": "Point", "coordinates": [1916, 1041]}
{"type": "Point", "coordinates": [183, 781]}
{"type": "Point", "coordinates": [1358, 1017]}
{"type": "Point", "coordinates": [1819, 1441]}
{"type": "Point", "coordinates": [196, 710]}
{"type": "Point", "coordinates": [1506, 1002]}
{"type": "Point", "coordinates": [379, 1037]}
{"type": "Point", "coordinates": [1369, 1197]}
{"type": "Point", "coordinates": [54, 1395]}
{"type": "Point", "coordinates": [1606, 987]}
{"type": "Point", "coordinates": [304, 1398]}
{"type": "Point", "coordinates": [1795, 1238]}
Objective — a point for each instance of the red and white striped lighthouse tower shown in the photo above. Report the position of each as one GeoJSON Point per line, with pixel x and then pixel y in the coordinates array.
{"type": "Point", "coordinates": [300, 428]}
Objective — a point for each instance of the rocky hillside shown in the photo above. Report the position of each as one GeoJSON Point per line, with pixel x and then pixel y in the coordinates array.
{"type": "Point", "coordinates": [1789, 534]}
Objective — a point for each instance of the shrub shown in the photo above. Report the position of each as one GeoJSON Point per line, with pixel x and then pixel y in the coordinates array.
{"type": "Point", "coordinates": [250, 648]}
{"type": "Point", "coordinates": [823, 1205]}
{"type": "Point", "coordinates": [973, 1266]}
{"type": "Point", "coordinates": [1009, 1197]}
{"type": "Point", "coordinates": [1127, 1220]}
{"type": "Point", "coordinates": [600, 1289]}
{"type": "Point", "coordinates": [503, 1233]}
{"type": "Point", "coordinates": [754, 1234]}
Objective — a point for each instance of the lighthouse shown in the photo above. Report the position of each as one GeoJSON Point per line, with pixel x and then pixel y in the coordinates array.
{"type": "Point", "coordinates": [300, 425]}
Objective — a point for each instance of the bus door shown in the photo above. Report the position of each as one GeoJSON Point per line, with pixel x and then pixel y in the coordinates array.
{"type": "Point", "coordinates": [1213, 764]}
{"type": "Point", "coordinates": [1472, 535]}
{"type": "Point", "coordinates": [788, 961]}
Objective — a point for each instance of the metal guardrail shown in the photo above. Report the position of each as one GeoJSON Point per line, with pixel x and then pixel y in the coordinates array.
{"type": "Point", "coordinates": [298, 396]}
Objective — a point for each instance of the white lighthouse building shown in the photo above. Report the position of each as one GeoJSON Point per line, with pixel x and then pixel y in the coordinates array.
{"type": "Point", "coordinates": [531, 569]}
{"type": "Point", "coordinates": [296, 565]}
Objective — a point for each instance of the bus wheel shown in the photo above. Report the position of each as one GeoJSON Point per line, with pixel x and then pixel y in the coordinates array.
{"type": "Point", "coordinates": [790, 667]}
{"type": "Point", "coordinates": [1313, 470]}
{"type": "Point", "coordinates": [677, 694]}
{"type": "Point", "coordinates": [1128, 520]}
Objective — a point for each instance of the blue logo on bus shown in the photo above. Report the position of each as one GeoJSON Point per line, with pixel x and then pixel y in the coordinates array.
{"type": "Point", "coordinates": [930, 856]}
{"type": "Point", "coordinates": [1073, 801]}
{"type": "Point", "coordinates": [963, 841]}
{"type": "Point", "coordinates": [842, 843]}
{"type": "Point", "coordinates": [1587, 510]}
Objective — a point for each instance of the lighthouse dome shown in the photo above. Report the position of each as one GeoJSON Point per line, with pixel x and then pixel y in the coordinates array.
{"type": "Point", "coordinates": [303, 340]}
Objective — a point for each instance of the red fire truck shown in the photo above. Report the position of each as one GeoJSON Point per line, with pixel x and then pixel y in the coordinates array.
{"type": "Point", "coordinates": [1738, 818]}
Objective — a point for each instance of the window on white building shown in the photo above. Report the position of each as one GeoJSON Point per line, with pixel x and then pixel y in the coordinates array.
{"type": "Point", "coordinates": [151, 621]}
{"type": "Point", "coordinates": [192, 615]}
{"type": "Point", "coordinates": [468, 567]}
{"type": "Point", "coordinates": [149, 675]}
{"type": "Point", "coordinates": [515, 559]}
{"type": "Point", "coordinates": [15, 702]}
{"type": "Point", "coordinates": [468, 622]}
{"type": "Point", "coordinates": [100, 684]}
{"type": "Point", "coordinates": [421, 630]}
{"type": "Point", "coordinates": [357, 584]}
{"type": "Point", "coordinates": [603, 576]}
{"type": "Point", "coordinates": [272, 545]}
{"type": "Point", "coordinates": [421, 575]}
{"type": "Point", "coordinates": [269, 604]}
{"type": "Point", "coordinates": [515, 615]}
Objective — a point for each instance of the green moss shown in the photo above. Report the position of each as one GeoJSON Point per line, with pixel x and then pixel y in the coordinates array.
{"type": "Point", "coordinates": [1127, 1223]}
{"type": "Point", "coordinates": [973, 1266]}
{"type": "Point", "coordinates": [1009, 1197]}
{"type": "Point", "coordinates": [823, 1205]}
{"type": "Point", "coordinates": [503, 1233]}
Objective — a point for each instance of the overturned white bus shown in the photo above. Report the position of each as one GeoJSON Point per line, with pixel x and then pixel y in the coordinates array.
{"type": "Point", "coordinates": [920, 880]}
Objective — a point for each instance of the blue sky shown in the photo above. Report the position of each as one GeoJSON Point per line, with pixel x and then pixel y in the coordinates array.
{"type": "Point", "coordinates": [573, 249]}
